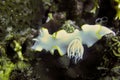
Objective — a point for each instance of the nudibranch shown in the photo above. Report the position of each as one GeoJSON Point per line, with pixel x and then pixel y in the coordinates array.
{"type": "Point", "coordinates": [70, 43]}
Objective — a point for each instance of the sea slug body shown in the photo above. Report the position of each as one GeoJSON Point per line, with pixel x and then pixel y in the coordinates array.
{"type": "Point", "coordinates": [70, 43]}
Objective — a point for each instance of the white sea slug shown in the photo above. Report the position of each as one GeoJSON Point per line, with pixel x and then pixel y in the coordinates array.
{"type": "Point", "coordinates": [70, 43]}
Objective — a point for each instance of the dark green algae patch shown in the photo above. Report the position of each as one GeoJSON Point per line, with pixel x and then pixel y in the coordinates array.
{"type": "Point", "coordinates": [19, 21]}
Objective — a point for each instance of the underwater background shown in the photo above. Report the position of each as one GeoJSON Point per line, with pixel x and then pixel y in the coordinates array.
{"type": "Point", "coordinates": [20, 21]}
